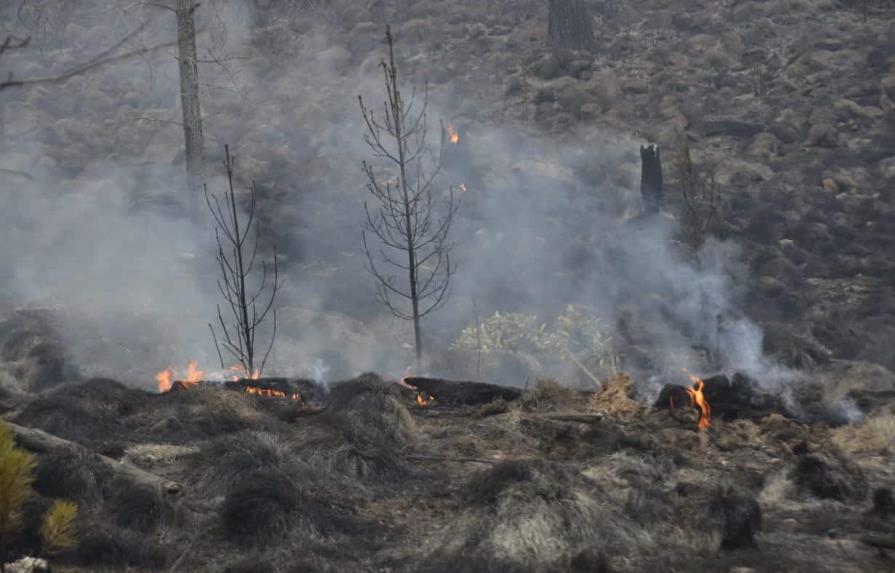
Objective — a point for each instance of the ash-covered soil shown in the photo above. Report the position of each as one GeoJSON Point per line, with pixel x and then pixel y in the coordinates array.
{"type": "Point", "coordinates": [557, 480]}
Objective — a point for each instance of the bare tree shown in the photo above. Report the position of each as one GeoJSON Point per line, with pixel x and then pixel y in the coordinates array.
{"type": "Point", "coordinates": [700, 196]}
{"type": "Point", "coordinates": [404, 218]}
{"type": "Point", "coordinates": [237, 252]}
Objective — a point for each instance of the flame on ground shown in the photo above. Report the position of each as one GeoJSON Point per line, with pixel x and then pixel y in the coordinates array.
{"type": "Point", "coordinates": [453, 136]}
{"type": "Point", "coordinates": [165, 378]}
{"type": "Point", "coordinates": [697, 398]}
{"type": "Point", "coordinates": [462, 188]}
{"type": "Point", "coordinates": [424, 399]}
{"type": "Point", "coordinates": [272, 393]}
{"type": "Point", "coordinates": [240, 373]}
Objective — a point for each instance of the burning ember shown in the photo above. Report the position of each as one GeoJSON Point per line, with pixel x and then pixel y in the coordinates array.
{"type": "Point", "coordinates": [453, 136]}
{"type": "Point", "coordinates": [165, 378]}
{"type": "Point", "coordinates": [424, 399]}
{"type": "Point", "coordinates": [272, 393]}
{"type": "Point", "coordinates": [697, 398]}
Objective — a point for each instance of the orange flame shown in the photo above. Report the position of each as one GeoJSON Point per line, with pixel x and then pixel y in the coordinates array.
{"type": "Point", "coordinates": [453, 136]}
{"type": "Point", "coordinates": [462, 188]}
{"type": "Point", "coordinates": [424, 399]}
{"type": "Point", "coordinates": [697, 398]}
{"type": "Point", "coordinates": [165, 378]}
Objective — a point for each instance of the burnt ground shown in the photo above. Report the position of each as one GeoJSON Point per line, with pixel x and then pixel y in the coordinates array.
{"type": "Point", "coordinates": [556, 480]}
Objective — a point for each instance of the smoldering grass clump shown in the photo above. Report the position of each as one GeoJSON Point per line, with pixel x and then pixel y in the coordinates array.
{"type": "Point", "coordinates": [484, 488]}
{"type": "Point", "coordinates": [376, 429]}
{"type": "Point", "coordinates": [88, 413]}
{"type": "Point", "coordinates": [533, 516]}
{"type": "Point", "coordinates": [100, 547]}
{"type": "Point", "coordinates": [224, 460]}
{"type": "Point", "coordinates": [136, 507]}
{"type": "Point", "coordinates": [269, 507]}
{"type": "Point", "coordinates": [74, 474]}
{"type": "Point", "coordinates": [205, 412]}
{"type": "Point", "coordinates": [830, 476]}
{"type": "Point", "coordinates": [739, 515]}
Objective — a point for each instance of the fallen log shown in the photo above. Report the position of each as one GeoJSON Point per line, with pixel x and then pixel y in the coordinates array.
{"type": "Point", "coordinates": [41, 442]}
{"type": "Point", "coordinates": [448, 392]}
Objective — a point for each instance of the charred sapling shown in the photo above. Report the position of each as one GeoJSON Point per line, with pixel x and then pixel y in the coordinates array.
{"type": "Point", "coordinates": [413, 237]}
{"type": "Point", "coordinates": [569, 25]}
{"type": "Point", "coordinates": [700, 197]}
{"type": "Point", "coordinates": [248, 292]}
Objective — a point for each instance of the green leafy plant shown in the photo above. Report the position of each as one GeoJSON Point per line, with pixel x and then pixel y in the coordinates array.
{"type": "Point", "coordinates": [574, 336]}
{"type": "Point", "coordinates": [57, 530]}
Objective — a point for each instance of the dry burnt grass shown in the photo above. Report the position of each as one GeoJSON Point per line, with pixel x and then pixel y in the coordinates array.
{"type": "Point", "coordinates": [376, 483]}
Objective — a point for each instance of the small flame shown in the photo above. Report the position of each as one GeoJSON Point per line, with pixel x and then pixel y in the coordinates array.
{"type": "Point", "coordinates": [453, 136]}
{"type": "Point", "coordinates": [697, 398]}
{"type": "Point", "coordinates": [271, 393]}
{"type": "Point", "coordinates": [462, 188]}
{"type": "Point", "coordinates": [165, 380]}
{"type": "Point", "coordinates": [424, 399]}
{"type": "Point", "coordinates": [240, 373]}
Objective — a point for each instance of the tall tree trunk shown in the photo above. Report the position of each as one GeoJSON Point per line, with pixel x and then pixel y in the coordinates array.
{"type": "Point", "coordinates": [570, 25]}
{"type": "Point", "coordinates": [189, 99]}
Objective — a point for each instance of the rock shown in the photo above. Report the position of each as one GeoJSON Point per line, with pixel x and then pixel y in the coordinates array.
{"type": "Point", "coordinates": [849, 108]}
{"type": "Point", "coordinates": [28, 565]}
{"type": "Point", "coordinates": [887, 85]}
{"type": "Point", "coordinates": [886, 168]}
{"type": "Point", "coordinates": [830, 476]}
{"type": "Point", "coordinates": [765, 146]}
{"type": "Point", "coordinates": [823, 135]}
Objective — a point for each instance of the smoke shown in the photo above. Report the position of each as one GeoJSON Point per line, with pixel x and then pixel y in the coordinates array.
{"type": "Point", "coordinates": [545, 222]}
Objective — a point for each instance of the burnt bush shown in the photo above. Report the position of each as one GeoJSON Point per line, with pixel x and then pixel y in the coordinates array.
{"type": "Point", "coordinates": [739, 515]}
{"type": "Point", "coordinates": [261, 509]}
{"type": "Point", "coordinates": [75, 474]}
{"type": "Point", "coordinates": [101, 546]}
{"type": "Point", "coordinates": [225, 460]}
{"type": "Point", "coordinates": [883, 503]}
{"type": "Point", "coordinates": [135, 507]}
{"type": "Point", "coordinates": [485, 487]}
{"type": "Point", "coordinates": [830, 476]}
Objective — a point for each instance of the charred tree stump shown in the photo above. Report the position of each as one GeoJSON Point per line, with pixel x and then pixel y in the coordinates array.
{"type": "Point", "coordinates": [447, 392]}
{"type": "Point", "coordinates": [569, 25]}
{"type": "Point", "coordinates": [651, 191]}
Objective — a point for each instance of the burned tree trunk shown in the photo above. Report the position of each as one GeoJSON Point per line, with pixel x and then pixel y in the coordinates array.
{"type": "Point", "coordinates": [651, 192]}
{"type": "Point", "coordinates": [189, 98]}
{"type": "Point", "coordinates": [569, 25]}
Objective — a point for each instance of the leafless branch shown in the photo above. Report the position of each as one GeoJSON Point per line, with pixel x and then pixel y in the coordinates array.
{"type": "Point", "coordinates": [236, 259]}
